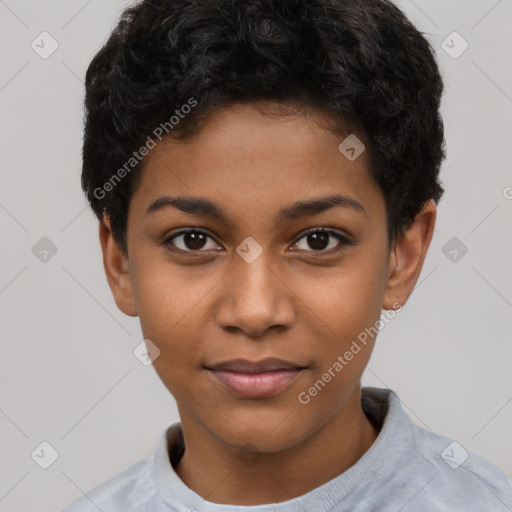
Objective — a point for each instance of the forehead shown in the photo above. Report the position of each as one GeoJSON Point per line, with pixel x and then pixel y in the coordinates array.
{"type": "Point", "coordinates": [254, 159]}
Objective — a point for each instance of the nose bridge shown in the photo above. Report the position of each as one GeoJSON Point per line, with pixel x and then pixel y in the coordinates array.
{"type": "Point", "coordinates": [254, 298]}
{"type": "Point", "coordinates": [254, 279]}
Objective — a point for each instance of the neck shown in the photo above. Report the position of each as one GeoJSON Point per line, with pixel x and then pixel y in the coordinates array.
{"type": "Point", "coordinates": [219, 474]}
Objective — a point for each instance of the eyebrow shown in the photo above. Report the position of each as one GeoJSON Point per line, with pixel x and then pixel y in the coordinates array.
{"type": "Point", "coordinates": [202, 206]}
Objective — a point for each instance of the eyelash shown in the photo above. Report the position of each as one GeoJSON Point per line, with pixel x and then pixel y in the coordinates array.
{"type": "Point", "coordinates": [344, 241]}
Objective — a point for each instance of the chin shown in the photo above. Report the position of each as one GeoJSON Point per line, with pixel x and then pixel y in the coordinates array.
{"type": "Point", "coordinates": [270, 432]}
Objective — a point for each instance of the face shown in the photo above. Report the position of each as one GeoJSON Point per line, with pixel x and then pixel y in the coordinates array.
{"type": "Point", "coordinates": [256, 262]}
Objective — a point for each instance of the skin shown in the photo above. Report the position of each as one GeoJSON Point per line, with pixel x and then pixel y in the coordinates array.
{"type": "Point", "coordinates": [214, 306]}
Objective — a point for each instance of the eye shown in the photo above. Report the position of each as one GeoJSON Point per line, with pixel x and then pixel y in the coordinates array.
{"type": "Point", "coordinates": [190, 240]}
{"type": "Point", "coordinates": [322, 240]}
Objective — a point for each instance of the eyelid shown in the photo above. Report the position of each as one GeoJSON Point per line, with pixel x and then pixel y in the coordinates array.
{"type": "Point", "coordinates": [323, 229]}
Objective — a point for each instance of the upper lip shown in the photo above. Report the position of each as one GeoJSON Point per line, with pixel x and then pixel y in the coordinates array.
{"type": "Point", "coordinates": [245, 366]}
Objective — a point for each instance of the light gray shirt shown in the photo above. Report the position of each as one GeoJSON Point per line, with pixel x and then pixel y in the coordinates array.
{"type": "Point", "coordinates": [407, 469]}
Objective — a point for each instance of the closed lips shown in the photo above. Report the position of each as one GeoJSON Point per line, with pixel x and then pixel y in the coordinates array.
{"type": "Point", "coordinates": [264, 366]}
{"type": "Point", "coordinates": [255, 379]}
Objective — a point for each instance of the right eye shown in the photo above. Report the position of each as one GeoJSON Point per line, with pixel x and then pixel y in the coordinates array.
{"type": "Point", "coordinates": [190, 240]}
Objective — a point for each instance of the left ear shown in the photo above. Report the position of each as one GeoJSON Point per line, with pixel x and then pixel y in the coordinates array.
{"type": "Point", "coordinates": [406, 260]}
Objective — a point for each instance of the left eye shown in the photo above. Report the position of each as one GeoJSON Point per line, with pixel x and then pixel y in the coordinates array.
{"type": "Point", "coordinates": [322, 240]}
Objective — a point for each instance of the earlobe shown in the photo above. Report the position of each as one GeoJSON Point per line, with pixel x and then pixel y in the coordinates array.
{"type": "Point", "coordinates": [117, 270]}
{"type": "Point", "coordinates": [406, 260]}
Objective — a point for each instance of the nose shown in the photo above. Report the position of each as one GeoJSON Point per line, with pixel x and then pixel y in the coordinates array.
{"type": "Point", "coordinates": [255, 299]}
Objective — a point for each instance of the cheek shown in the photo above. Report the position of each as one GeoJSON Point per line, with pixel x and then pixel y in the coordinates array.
{"type": "Point", "coordinates": [171, 311]}
{"type": "Point", "coordinates": [347, 308]}
{"type": "Point", "coordinates": [166, 295]}
{"type": "Point", "coordinates": [349, 299]}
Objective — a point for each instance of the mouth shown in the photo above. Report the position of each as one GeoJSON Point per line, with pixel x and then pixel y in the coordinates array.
{"type": "Point", "coordinates": [255, 379]}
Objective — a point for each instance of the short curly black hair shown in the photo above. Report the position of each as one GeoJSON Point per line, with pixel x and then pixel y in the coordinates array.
{"type": "Point", "coordinates": [360, 61]}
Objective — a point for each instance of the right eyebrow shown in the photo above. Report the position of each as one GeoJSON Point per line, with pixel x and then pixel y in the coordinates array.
{"type": "Point", "coordinates": [192, 205]}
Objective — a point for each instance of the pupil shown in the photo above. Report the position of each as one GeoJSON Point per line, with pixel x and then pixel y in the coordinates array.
{"type": "Point", "coordinates": [318, 241]}
{"type": "Point", "coordinates": [194, 240]}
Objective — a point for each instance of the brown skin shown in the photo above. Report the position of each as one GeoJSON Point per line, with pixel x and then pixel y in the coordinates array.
{"type": "Point", "coordinates": [214, 306]}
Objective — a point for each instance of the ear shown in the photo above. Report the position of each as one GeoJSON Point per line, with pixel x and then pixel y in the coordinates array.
{"type": "Point", "coordinates": [407, 257]}
{"type": "Point", "coordinates": [117, 270]}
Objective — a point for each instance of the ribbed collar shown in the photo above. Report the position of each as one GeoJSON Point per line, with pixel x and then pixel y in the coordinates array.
{"type": "Point", "coordinates": [381, 406]}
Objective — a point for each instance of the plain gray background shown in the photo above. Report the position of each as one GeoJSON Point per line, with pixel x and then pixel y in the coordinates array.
{"type": "Point", "coordinates": [68, 374]}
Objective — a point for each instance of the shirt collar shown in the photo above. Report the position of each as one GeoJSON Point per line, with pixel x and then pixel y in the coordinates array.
{"type": "Point", "coordinates": [381, 406]}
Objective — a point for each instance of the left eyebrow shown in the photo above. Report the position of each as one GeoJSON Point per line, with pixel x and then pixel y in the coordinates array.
{"type": "Point", "coordinates": [203, 206]}
{"type": "Point", "coordinates": [319, 205]}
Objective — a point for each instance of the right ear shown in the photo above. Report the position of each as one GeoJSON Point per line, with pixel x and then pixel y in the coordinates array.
{"type": "Point", "coordinates": [117, 270]}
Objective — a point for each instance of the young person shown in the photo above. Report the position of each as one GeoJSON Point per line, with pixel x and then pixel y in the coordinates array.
{"type": "Point", "coordinates": [265, 175]}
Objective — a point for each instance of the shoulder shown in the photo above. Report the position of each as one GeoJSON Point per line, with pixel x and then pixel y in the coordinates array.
{"type": "Point", "coordinates": [423, 470]}
{"type": "Point", "coordinates": [461, 476]}
{"type": "Point", "coordinates": [124, 492]}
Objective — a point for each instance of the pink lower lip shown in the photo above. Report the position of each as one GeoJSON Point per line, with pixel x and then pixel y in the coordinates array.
{"type": "Point", "coordinates": [255, 385]}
